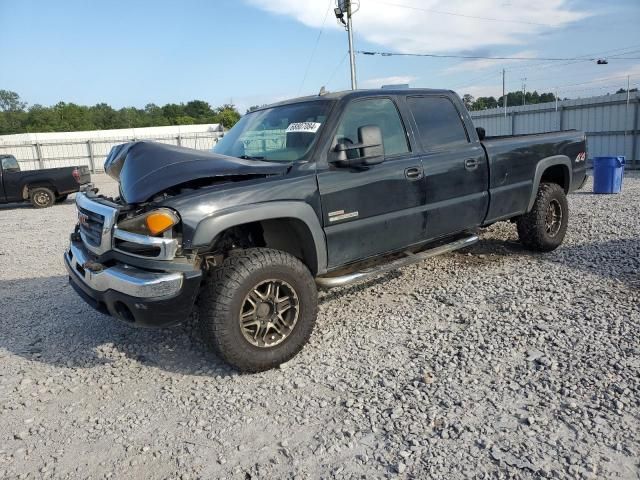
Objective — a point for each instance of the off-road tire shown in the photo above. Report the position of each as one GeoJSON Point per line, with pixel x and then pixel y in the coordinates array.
{"type": "Point", "coordinates": [62, 198]}
{"type": "Point", "coordinates": [224, 294]}
{"type": "Point", "coordinates": [533, 227]}
{"type": "Point", "coordinates": [42, 197]}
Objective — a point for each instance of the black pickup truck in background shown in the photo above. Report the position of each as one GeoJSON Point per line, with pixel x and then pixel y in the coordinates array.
{"type": "Point", "coordinates": [43, 187]}
{"type": "Point", "coordinates": [319, 191]}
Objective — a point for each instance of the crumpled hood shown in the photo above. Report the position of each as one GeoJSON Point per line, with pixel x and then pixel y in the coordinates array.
{"type": "Point", "coordinates": [146, 168]}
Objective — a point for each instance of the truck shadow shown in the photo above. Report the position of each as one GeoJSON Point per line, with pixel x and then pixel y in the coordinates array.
{"type": "Point", "coordinates": [617, 259]}
{"type": "Point", "coordinates": [16, 205]}
{"type": "Point", "coordinates": [44, 320]}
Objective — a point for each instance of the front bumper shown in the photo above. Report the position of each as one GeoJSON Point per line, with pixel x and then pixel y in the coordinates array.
{"type": "Point", "coordinates": [137, 296]}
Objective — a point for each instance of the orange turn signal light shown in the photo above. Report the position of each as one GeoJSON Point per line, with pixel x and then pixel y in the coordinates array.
{"type": "Point", "coordinates": [159, 222]}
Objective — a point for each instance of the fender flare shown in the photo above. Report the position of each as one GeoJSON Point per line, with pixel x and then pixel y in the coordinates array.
{"type": "Point", "coordinates": [210, 227]}
{"type": "Point", "coordinates": [541, 166]}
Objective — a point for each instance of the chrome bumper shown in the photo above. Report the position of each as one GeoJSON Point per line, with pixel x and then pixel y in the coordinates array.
{"type": "Point", "coordinates": [122, 278]}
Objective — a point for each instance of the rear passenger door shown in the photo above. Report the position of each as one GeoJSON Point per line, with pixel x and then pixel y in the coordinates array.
{"type": "Point", "coordinates": [455, 166]}
{"type": "Point", "coordinates": [372, 209]}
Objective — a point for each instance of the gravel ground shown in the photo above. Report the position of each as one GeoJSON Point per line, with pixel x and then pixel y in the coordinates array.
{"type": "Point", "coordinates": [487, 363]}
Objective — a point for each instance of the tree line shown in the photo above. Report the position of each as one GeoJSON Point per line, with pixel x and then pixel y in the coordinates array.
{"type": "Point", "coordinates": [514, 99]}
{"type": "Point", "coordinates": [17, 117]}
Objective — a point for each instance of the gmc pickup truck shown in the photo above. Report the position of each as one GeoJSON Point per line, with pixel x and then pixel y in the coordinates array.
{"type": "Point", "coordinates": [314, 192]}
{"type": "Point", "coordinates": [42, 188]}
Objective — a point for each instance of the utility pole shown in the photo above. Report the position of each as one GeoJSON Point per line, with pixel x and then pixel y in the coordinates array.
{"type": "Point", "coordinates": [524, 90]}
{"type": "Point", "coordinates": [345, 7]}
{"type": "Point", "coordinates": [626, 114]}
{"type": "Point", "coordinates": [556, 99]}
{"type": "Point", "coordinates": [352, 54]}
{"type": "Point", "coordinates": [504, 96]}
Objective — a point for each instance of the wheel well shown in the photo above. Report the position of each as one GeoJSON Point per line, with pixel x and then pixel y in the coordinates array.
{"type": "Point", "coordinates": [557, 174]}
{"type": "Point", "coordinates": [289, 235]}
{"type": "Point", "coordinates": [27, 188]}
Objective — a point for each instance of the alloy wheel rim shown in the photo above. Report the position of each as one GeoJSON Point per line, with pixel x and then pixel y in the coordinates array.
{"type": "Point", "coordinates": [553, 219]}
{"type": "Point", "coordinates": [269, 313]}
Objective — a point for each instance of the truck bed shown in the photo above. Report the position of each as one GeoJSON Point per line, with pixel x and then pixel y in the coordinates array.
{"type": "Point", "coordinates": [513, 161]}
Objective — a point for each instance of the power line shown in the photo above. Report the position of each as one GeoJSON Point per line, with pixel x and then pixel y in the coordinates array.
{"type": "Point", "coordinates": [479, 57]}
{"type": "Point", "coordinates": [315, 47]}
{"type": "Point", "coordinates": [335, 70]}
{"type": "Point", "coordinates": [474, 17]}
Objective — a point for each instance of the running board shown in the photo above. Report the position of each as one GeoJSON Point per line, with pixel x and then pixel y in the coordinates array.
{"type": "Point", "coordinates": [408, 259]}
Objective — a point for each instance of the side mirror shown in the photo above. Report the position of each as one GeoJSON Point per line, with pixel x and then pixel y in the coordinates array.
{"type": "Point", "coordinates": [481, 133]}
{"type": "Point", "coordinates": [369, 149]}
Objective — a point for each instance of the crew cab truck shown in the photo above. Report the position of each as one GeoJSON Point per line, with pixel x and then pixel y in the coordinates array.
{"type": "Point", "coordinates": [314, 192]}
{"type": "Point", "coordinates": [43, 187]}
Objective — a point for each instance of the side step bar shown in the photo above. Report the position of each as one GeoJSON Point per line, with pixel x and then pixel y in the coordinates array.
{"type": "Point", "coordinates": [408, 259]}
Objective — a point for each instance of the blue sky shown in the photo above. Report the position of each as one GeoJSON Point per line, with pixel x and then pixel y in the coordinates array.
{"type": "Point", "coordinates": [256, 51]}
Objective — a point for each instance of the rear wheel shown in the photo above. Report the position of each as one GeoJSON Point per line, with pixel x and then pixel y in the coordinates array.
{"type": "Point", "coordinates": [258, 309]}
{"type": "Point", "coordinates": [544, 227]}
{"type": "Point", "coordinates": [42, 197]}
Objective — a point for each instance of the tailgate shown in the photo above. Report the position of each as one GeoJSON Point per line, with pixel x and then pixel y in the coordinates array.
{"type": "Point", "coordinates": [85, 174]}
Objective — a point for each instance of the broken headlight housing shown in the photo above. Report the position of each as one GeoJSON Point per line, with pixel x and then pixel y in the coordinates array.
{"type": "Point", "coordinates": [153, 223]}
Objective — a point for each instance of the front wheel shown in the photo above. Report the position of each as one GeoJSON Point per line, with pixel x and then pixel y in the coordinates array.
{"type": "Point", "coordinates": [258, 309]}
{"type": "Point", "coordinates": [544, 227]}
{"type": "Point", "coordinates": [42, 197]}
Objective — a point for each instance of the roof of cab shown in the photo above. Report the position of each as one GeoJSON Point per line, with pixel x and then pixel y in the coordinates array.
{"type": "Point", "coordinates": [359, 93]}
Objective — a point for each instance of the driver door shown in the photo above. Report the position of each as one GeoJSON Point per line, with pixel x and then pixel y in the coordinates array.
{"type": "Point", "coordinates": [10, 180]}
{"type": "Point", "coordinates": [369, 210]}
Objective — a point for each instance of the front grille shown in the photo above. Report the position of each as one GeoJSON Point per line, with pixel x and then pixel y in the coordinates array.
{"type": "Point", "coordinates": [92, 227]}
{"type": "Point", "coordinates": [96, 220]}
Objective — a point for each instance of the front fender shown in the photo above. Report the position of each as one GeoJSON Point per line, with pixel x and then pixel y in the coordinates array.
{"type": "Point", "coordinates": [210, 227]}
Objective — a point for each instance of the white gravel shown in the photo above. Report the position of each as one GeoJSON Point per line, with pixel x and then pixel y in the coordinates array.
{"type": "Point", "coordinates": [490, 363]}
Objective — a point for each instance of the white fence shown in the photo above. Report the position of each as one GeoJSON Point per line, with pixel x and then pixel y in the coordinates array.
{"type": "Point", "coordinates": [611, 122]}
{"type": "Point", "coordinates": [40, 152]}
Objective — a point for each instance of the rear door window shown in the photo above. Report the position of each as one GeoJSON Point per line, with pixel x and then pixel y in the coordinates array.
{"type": "Point", "coordinates": [439, 123]}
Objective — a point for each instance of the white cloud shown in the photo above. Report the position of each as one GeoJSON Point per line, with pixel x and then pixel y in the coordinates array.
{"type": "Point", "coordinates": [481, 91]}
{"type": "Point", "coordinates": [411, 30]}
{"type": "Point", "coordinates": [393, 80]}
{"type": "Point", "coordinates": [482, 64]}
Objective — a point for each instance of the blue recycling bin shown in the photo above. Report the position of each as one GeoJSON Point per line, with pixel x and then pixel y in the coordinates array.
{"type": "Point", "coordinates": [607, 174]}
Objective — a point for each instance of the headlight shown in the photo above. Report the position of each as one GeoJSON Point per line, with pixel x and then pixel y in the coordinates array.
{"type": "Point", "coordinates": [152, 223]}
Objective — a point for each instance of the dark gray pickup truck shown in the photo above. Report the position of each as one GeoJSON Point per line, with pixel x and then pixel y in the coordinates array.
{"type": "Point", "coordinates": [42, 187]}
{"type": "Point", "coordinates": [314, 192]}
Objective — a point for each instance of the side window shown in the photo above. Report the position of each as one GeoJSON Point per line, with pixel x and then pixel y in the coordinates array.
{"type": "Point", "coordinates": [375, 111]}
{"type": "Point", "coordinates": [439, 123]}
{"type": "Point", "coordinates": [10, 164]}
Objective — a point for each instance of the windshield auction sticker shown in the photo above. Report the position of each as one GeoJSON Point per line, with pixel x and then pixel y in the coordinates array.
{"type": "Point", "coordinates": [310, 127]}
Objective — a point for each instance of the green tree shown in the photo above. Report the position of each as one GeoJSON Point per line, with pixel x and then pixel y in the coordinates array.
{"type": "Point", "coordinates": [198, 109]}
{"type": "Point", "coordinates": [65, 116]}
{"type": "Point", "coordinates": [255, 107]}
{"type": "Point", "coordinates": [227, 115]}
{"type": "Point", "coordinates": [468, 101]}
{"type": "Point", "coordinates": [10, 102]}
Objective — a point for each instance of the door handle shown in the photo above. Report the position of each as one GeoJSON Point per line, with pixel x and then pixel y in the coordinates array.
{"type": "Point", "coordinates": [471, 163]}
{"type": "Point", "coordinates": [413, 173]}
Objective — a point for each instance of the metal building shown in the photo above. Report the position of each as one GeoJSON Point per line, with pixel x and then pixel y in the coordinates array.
{"type": "Point", "coordinates": [610, 122]}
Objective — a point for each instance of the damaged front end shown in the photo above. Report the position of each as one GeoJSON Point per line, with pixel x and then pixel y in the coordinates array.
{"type": "Point", "coordinates": [146, 169]}
{"type": "Point", "coordinates": [126, 256]}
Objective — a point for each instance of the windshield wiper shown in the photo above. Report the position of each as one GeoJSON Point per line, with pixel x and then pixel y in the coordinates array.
{"type": "Point", "coordinates": [249, 157]}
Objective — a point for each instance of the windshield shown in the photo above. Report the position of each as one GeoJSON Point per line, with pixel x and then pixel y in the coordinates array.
{"type": "Point", "coordinates": [278, 134]}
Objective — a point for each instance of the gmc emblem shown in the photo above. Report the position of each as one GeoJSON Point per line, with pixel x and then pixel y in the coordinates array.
{"type": "Point", "coordinates": [83, 218]}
